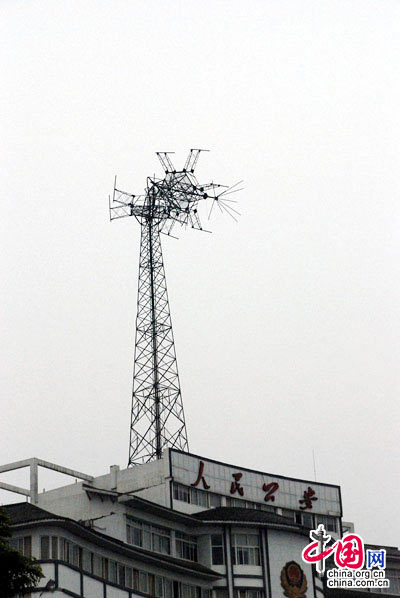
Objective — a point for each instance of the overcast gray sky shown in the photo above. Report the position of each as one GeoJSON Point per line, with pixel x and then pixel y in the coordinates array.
{"type": "Point", "coordinates": [286, 323]}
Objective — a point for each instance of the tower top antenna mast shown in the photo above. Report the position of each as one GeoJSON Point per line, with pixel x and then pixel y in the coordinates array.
{"type": "Point", "coordinates": [157, 416]}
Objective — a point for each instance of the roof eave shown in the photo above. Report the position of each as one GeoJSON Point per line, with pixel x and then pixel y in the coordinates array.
{"type": "Point", "coordinates": [121, 548]}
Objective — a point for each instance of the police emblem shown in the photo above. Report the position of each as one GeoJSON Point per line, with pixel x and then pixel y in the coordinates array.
{"type": "Point", "coordinates": [293, 580]}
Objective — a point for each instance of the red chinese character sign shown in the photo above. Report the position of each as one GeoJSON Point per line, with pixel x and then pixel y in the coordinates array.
{"type": "Point", "coordinates": [200, 477]}
{"type": "Point", "coordinates": [235, 486]}
{"type": "Point", "coordinates": [308, 498]}
{"type": "Point", "coordinates": [254, 486]}
{"type": "Point", "coordinates": [270, 489]}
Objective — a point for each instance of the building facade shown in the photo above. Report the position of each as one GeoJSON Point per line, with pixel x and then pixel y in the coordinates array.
{"type": "Point", "coordinates": [182, 526]}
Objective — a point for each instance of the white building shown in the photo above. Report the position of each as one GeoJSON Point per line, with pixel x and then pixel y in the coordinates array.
{"type": "Point", "coordinates": [183, 526]}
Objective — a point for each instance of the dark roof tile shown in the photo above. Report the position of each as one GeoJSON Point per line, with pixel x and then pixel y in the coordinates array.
{"type": "Point", "coordinates": [23, 512]}
{"type": "Point", "coordinates": [243, 515]}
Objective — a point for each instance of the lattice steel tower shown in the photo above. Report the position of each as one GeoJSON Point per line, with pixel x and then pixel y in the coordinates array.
{"type": "Point", "coordinates": [157, 417]}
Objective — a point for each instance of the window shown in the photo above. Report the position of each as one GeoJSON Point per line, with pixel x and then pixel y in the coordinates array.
{"type": "Point", "coordinates": [181, 493]}
{"type": "Point", "coordinates": [61, 549]}
{"type": "Point", "coordinates": [131, 578]}
{"type": "Point", "coordinates": [217, 549]}
{"type": "Point", "coordinates": [48, 543]}
{"type": "Point", "coordinates": [54, 547]}
{"type": "Point", "coordinates": [143, 581]}
{"type": "Point", "coordinates": [246, 549]}
{"type": "Point", "coordinates": [69, 552]}
{"type": "Point", "coordinates": [186, 546]}
{"type": "Point", "coordinates": [168, 588]}
{"type": "Point", "coordinates": [135, 579]}
{"type": "Point", "coordinates": [307, 520]}
{"type": "Point", "coordinates": [86, 560]}
{"type": "Point", "coordinates": [104, 563]}
{"type": "Point", "coordinates": [23, 545]}
{"type": "Point", "coordinates": [65, 550]}
{"type": "Point", "coordinates": [76, 555]}
{"type": "Point", "coordinates": [97, 565]}
{"type": "Point", "coordinates": [214, 500]}
{"type": "Point", "coordinates": [161, 540]}
{"type": "Point", "coordinates": [134, 535]}
{"type": "Point", "coordinates": [235, 502]}
{"type": "Point", "coordinates": [112, 571]}
{"type": "Point", "coordinates": [188, 591]}
{"type": "Point", "coordinates": [329, 522]}
{"type": "Point", "coordinates": [121, 575]}
{"type": "Point", "coordinates": [128, 577]}
{"type": "Point", "coordinates": [150, 584]}
{"type": "Point", "coordinates": [247, 504]}
{"type": "Point", "coordinates": [158, 587]}
{"type": "Point", "coordinates": [291, 515]}
{"type": "Point", "coordinates": [269, 508]}
{"type": "Point", "coordinates": [148, 536]}
{"type": "Point", "coordinates": [196, 496]}
{"type": "Point", "coordinates": [44, 547]}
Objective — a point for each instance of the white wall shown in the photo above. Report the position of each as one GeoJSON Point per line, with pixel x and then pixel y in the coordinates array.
{"type": "Point", "coordinates": [282, 548]}
{"type": "Point", "coordinates": [69, 579]}
{"type": "Point", "coordinates": [92, 588]}
{"type": "Point", "coordinates": [48, 571]}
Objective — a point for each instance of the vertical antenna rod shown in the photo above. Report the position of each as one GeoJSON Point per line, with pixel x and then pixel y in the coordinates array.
{"type": "Point", "coordinates": [157, 416]}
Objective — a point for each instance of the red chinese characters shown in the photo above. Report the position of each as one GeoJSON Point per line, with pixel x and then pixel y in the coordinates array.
{"type": "Point", "coordinates": [200, 477]}
{"type": "Point", "coordinates": [270, 489]}
{"type": "Point", "coordinates": [235, 486]}
{"type": "Point", "coordinates": [239, 484]}
{"type": "Point", "coordinates": [308, 498]}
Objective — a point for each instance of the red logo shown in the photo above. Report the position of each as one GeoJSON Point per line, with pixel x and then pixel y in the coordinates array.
{"type": "Point", "coordinates": [349, 551]}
